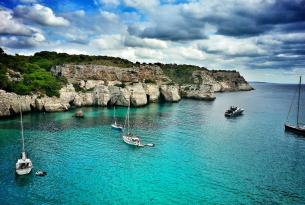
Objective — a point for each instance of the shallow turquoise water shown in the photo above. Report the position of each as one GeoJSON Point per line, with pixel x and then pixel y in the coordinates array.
{"type": "Point", "coordinates": [200, 157]}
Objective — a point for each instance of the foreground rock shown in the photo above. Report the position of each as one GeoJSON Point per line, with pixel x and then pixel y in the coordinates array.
{"type": "Point", "coordinates": [79, 114]}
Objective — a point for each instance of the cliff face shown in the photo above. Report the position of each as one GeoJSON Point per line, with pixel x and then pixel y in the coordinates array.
{"type": "Point", "coordinates": [104, 85]}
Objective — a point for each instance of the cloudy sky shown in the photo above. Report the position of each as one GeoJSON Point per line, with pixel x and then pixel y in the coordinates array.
{"type": "Point", "coordinates": [263, 39]}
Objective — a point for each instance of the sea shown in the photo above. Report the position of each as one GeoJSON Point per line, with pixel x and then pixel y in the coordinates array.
{"type": "Point", "coordinates": [199, 157]}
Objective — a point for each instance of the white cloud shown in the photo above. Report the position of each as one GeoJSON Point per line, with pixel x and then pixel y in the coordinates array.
{"type": "Point", "coordinates": [79, 13]}
{"type": "Point", "coordinates": [28, 1]}
{"type": "Point", "coordinates": [9, 25]}
{"type": "Point", "coordinates": [133, 41]}
{"type": "Point", "coordinates": [148, 54]}
{"type": "Point", "coordinates": [109, 16]}
{"type": "Point", "coordinates": [142, 5]}
{"type": "Point", "coordinates": [41, 14]}
{"type": "Point", "coordinates": [231, 46]}
{"type": "Point", "coordinates": [22, 41]}
{"type": "Point", "coordinates": [107, 42]}
{"type": "Point", "coordinates": [110, 2]}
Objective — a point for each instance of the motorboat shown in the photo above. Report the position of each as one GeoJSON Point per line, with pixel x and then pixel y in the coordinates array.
{"type": "Point", "coordinates": [41, 173]}
{"type": "Point", "coordinates": [234, 111]}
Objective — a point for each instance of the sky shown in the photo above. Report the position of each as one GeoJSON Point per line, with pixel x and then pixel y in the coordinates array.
{"type": "Point", "coordinates": [262, 39]}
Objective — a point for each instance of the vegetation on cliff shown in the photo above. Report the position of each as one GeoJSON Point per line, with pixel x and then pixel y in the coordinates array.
{"type": "Point", "coordinates": [181, 74]}
{"type": "Point", "coordinates": [34, 76]}
{"type": "Point", "coordinates": [35, 70]}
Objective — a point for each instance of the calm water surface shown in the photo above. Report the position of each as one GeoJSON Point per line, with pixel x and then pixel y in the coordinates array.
{"type": "Point", "coordinates": [200, 157]}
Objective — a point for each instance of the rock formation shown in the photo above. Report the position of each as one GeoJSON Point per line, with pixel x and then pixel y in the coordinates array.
{"type": "Point", "coordinates": [104, 85]}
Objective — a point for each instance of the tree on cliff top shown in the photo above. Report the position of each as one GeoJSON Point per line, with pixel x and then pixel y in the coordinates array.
{"type": "Point", "coordinates": [2, 52]}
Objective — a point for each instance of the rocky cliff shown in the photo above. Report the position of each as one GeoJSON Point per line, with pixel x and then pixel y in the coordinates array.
{"type": "Point", "coordinates": [100, 85]}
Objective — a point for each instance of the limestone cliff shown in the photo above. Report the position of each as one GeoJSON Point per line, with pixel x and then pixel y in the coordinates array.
{"type": "Point", "coordinates": [100, 85]}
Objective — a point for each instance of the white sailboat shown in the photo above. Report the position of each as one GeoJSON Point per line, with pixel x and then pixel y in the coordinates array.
{"type": "Point", "coordinates": [116, 125]}
{"type": "Point", "coordinates": [23, 165]}
{"type": "Point", "coordinates": [128, 137]}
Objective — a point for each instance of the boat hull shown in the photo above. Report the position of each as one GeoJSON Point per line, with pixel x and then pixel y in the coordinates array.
{"type": "Point", "coordinates": [295, 129]}
{"type": "Point", "coordinates": [116, 127]}
{"type": "Point", "coordinates": [235, 114]}
{"type": "Point", "coordinates": [23, 171]}
{"type": "Point", "coordinates": [128, 140]}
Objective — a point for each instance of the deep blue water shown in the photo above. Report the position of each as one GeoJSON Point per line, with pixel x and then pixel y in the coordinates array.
{"type": "Point", "coordinates": [200, 157]}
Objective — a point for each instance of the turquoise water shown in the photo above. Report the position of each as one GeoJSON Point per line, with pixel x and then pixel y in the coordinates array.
{"type": "Point", "coordinates": [200, 157]}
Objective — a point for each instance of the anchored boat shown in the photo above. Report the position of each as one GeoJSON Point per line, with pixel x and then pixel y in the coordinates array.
{"type": "Point", "coordinates": [130, 138]}
{"type": "Point", "coordinates": [24, 165]}
{"type": "Point", "coordinates": [234, 111]}
{"type": "Point", "coordinates": [297, 128]}
{"type": "Point", "coordinates": [116, 125]}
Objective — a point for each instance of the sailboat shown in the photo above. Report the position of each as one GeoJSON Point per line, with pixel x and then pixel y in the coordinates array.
{"type": "Point", "coordinates": [297, 128]}
{"type": "Point", "coordinates": [116, 125]}
{"type": "Point", "coordinates": [23, 165]}
{"type": "Point", "coordinates": [130, 138]}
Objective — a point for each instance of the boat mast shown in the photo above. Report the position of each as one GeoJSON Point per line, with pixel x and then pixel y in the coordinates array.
{"type": "Point", "coordinates": [21, 125]}
{"type": "Point", "coordinates": [114, 114]}
{"type": "Point", "coordinates": [299, 101]}
{"type": "Point", "coordinates": [129, 111]}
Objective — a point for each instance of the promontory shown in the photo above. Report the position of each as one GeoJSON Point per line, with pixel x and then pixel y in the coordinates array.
{"type": "Point", "coordinates": [50, 82]}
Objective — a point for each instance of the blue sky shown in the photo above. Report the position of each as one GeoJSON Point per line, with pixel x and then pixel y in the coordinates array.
{"type": "Point", "coordinates": [263, 39]}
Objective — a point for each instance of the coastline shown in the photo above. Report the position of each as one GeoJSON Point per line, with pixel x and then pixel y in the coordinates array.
{"type": "Point", "coordinates": [99, 85]}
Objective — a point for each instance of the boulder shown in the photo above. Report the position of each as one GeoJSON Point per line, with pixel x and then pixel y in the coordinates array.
{"type": "Point", "coordinates": [79, 114]}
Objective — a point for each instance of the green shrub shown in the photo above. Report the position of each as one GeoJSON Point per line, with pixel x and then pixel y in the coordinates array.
{"type": "Point", "coordinates": [149, 81]}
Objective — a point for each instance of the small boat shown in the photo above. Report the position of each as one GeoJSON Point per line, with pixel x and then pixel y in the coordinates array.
{"type": "Point", "coordinates": [41, 173]}
{"type": "Point", "coordinates": [297, 128]}
{"type": "Point", "coordinates": [23, 165]}
{"type": "Point", "coordinates": [128, 137]}
{"type": "Point", "coordinates": [115, 125]}
{"type": "Point", "coordinates": [234, 111]}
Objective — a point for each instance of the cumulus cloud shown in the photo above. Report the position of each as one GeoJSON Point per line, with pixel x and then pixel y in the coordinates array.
{"type": "Point", "coordinates": [106, 42]}
{"type": "Point", "coordinates": [249, 34]}
{"type": "Point", "coordinates": [109, 16]}
{"type": "Point", "coordinates": [132, 41]}
{"type": "Point", "coordinates": [110, 2]}
{"type": "Point", "coordinates": [79, 13]}
{"type": "Point", "coordinates": [231, 46]}
{"type": "Point", "coordinates": [142, 5]}
{"type": "Point", "coordinates": [28, 1]}
{"type": "Point", "coordinates": [22, 41]}
{"type": "Point", "coordinates": [40, 14]}
{"type": "Point", "coordinates": [9, 25]}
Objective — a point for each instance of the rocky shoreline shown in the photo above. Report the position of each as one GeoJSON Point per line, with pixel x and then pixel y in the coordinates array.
{"type": "Point", "coordinates": [98, 85]}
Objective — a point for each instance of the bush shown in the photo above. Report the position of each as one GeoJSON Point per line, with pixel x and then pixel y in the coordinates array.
{"type": "Point", "coordinates": [149, 81]}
